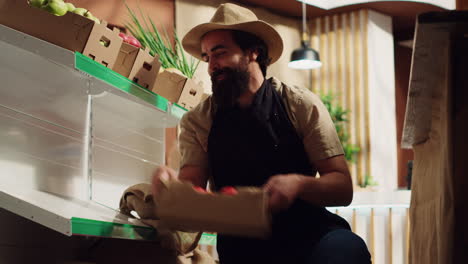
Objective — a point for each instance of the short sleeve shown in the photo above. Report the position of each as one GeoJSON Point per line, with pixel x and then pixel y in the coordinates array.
{"type": "Point", "coordinates": [315, 126]}
{"type": "Point", "coordinates": [193, 137]}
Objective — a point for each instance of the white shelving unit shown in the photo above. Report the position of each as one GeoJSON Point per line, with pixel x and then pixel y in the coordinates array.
{"type": "Point", "coordinates": [73, 136]}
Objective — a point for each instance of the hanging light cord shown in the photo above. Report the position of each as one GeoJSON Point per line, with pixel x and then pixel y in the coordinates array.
{"type": "Point", "coordinates": [304, 27]}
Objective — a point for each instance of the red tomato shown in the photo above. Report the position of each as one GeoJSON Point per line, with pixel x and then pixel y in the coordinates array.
{"type": "Point", "coordinates": [199, 189]}
{"type": "Point", "coordinates": [228, 190]}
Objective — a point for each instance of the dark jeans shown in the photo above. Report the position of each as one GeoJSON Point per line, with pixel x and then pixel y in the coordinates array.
{"type": "Point", "coordinates": [339, 246]}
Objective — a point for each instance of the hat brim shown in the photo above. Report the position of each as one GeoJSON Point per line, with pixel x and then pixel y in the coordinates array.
{"type": "Point", "coordinates": [192, 40]}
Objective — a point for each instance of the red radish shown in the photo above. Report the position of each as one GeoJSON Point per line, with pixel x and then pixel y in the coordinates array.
{"type": "Point", "coordinates": [130, 37]}
{"type": "Point", "coordinates": [199, 189]}
{"type": "Point", "coordinates": [228, 190]}
{"type": "Point", "coordinates": [133, 41]}
{"type": "Point", "coordinates": [124, 37]}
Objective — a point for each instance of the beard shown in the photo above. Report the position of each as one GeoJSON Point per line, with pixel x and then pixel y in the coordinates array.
{"type": "Point", "coordinates": [227, 91]}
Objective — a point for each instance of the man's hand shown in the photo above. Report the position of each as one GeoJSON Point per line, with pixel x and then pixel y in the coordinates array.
{"type": "Point", "coordinates": [162, 173]}
{"type": "Point", "coordinates": [283, 190]}
{"type": "Point", "coordinates": [333, 188]}
{"type": "Point", "coordinates": [194, 174]}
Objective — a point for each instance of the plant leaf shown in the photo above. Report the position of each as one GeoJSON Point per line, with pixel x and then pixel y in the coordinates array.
{"type": "Point", "coordinates": [145, 30]}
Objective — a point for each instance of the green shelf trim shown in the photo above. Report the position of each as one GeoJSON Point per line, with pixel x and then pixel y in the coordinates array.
{"type": "Point", "coordinates": [109, 76]}
{"type": "Point", "coordinates": [88, 227]}
{"type": "Point", "coordinates": [208, 239]}
{"type": "Point", "coordinates": [178, 111]}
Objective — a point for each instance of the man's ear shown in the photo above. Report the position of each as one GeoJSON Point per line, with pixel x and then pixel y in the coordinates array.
{"type": "Point", "coordinates": [253, 55]}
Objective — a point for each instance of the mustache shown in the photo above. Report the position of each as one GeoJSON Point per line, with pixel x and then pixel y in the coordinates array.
{"type": "Point", "coordinates": [226, 71]}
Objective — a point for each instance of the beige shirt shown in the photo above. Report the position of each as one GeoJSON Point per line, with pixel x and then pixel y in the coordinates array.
{"type": "Point", "coordinates": [305, 109]}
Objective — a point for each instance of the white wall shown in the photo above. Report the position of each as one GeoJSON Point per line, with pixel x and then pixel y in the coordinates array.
{"type": "Point", "coordinates": [382, 113]}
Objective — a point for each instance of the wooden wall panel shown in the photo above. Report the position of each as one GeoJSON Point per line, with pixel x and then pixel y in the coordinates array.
{"type": "Point", "coordinates": [342, 43]}
{"type": "Point", "coordinates": [356, 50]}
{"type": "Point", "coordinates": [462, 4]}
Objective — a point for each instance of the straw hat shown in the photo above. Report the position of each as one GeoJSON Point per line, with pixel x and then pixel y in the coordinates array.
{"type": "Point", "coordinates": [234, 17]}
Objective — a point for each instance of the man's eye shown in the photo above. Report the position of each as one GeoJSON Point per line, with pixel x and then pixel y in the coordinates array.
{"type": "Point", "coordinates": [220, 53]}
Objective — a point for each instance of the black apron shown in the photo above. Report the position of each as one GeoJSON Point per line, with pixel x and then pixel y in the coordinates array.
{"type": "Point", "coordinates": [248, 146]}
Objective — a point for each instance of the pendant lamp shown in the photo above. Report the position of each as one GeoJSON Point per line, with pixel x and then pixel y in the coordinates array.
{"type": "Point", "coordinates": [304, 57]}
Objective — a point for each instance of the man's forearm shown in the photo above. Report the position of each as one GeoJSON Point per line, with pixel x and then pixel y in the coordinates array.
{"type": "Point", "coordinates": [331, 189]}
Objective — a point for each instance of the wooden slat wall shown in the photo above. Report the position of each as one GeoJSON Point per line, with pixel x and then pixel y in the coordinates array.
{"type": "Point", "coordinates": [384, 229]}
{"type": "Point", "coordinates": [462, 4]}
{"type": "Point", "coordinates": [342, 43]}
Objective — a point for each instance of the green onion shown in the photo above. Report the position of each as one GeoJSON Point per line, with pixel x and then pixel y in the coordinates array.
{"type": "Point", "coordinates": [149, 36]}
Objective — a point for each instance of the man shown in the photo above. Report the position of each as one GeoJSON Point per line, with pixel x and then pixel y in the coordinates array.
{"type": "Point", "coordinates": [258, 132]}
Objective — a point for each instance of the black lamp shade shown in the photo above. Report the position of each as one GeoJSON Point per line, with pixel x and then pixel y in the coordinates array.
{"type": "Point", "coordinates": [305, 58]}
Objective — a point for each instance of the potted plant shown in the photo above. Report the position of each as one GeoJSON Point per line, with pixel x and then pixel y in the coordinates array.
{"type": "Point", "coordinates": [338, 115]}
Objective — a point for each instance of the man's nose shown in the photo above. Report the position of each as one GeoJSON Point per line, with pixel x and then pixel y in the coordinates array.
{"type": "Point", "coordinates": [212, 67]}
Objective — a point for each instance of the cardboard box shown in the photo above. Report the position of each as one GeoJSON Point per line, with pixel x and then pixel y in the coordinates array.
{"type": "Point", "coordinates": [137, 65]}
{"type": "Point", "coordinates": [71, 31]}
{"type": "Point", "coordinates": [181, 207]}
{"type": "Point", "coordinates": [179, 89]}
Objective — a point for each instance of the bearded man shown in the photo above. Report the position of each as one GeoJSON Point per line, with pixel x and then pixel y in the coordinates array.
{"type": "Point", "coordinates": [261, 132]}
